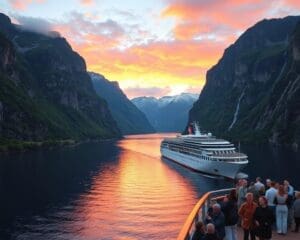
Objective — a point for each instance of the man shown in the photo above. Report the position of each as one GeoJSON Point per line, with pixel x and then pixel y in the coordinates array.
{"type": "Point", "coordinates": [288, 187]}
{"type": "Point", "coordinates": [218, 220]}
{"type": "Point", "coordinates": [270, 196]}
{"type": "Point", "coordinates": [268, 184]}
{"type": "Point", "coordinates": [258, 185]}
{"type": "Point", "coordinates": [211, 233]}
{"type": "Point", "coordinates": [290, 191]}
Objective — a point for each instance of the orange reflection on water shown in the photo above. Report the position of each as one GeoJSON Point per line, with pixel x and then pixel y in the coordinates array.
{"type": "Point", "coordinates": [137, 197]}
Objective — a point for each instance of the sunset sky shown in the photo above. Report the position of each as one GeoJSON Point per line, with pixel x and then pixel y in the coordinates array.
{"type": "Point", "coordinates": [151, 47]}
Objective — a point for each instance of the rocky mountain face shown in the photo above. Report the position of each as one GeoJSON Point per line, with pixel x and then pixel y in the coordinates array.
{"type": "Point", "coordinates": [253, 92]}
{"type": "Point", "coordinates": [46, 92]}
{"type": "Point", "coordinates": [129, 118]}
{"type": "Point", "coordinates": [167, 114]}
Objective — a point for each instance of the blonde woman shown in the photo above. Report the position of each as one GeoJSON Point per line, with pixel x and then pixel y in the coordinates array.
{"type": "Point", "coordinates": [281, 210]}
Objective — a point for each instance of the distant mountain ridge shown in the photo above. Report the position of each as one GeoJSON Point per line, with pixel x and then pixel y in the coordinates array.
{"type": "Point", "coordinates": [129, 118]}
{"type": "Point", "coordinates": [168, 113]}
{"type": "Point", "coordinates": [253, 93]}
{"type": "Point", "coordinates": [46, 92]}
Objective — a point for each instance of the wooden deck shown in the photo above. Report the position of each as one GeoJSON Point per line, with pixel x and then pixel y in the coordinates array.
{"type": "Point", "coordinates": [290, 235]}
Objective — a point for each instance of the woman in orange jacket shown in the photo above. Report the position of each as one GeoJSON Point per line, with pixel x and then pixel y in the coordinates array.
{"type": "Point", "coordinates": [246, 212]}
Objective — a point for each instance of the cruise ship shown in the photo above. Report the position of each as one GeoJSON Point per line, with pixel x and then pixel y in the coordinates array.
{"type": "Point", "coordinates": [204, 153]}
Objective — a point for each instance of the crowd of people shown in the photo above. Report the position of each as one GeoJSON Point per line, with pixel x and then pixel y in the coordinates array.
{"type": "Point", "coordinates": [257, 207]}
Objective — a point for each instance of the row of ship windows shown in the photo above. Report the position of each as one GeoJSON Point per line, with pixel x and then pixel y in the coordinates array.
{"type": "Point", "coordinates": [199, 151]}
{"type": "Point", "coordinates": [191, 153]}
{"type": "Point", "coordinates": [203, 157]}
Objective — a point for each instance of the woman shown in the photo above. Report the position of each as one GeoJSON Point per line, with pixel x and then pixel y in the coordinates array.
{"type": "Point", "coordinates": [246, 212]}
{"type": "Point", "coordinates": [281, 210]}
{"type": "Point", "coordinates": [230, 210]}
{"type": "Point", "coordinates": [200, 231]}
{"type": "Point", "coordinates": [263, 219]}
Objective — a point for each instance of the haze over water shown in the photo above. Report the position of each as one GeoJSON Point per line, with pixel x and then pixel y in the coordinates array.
{"type": "Point", "coordinates": [109, 190]}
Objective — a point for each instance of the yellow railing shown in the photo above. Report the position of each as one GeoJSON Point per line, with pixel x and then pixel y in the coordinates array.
{"type": "Point", "coordinates": [199, 212]}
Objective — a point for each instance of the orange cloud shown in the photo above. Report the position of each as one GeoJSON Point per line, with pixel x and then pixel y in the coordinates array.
{"type": "Point", "coordinates": [86, 2]}
{"type": "Point", "coordinates": [23, 4]}
{"type": "Point", "coordinates": [162, 64]}
{"type": "Point", "coordinates": [214, 17]}
{"type": "Point", "coordinates": [187, 30]}
{"type": "Point", "coordinates": [292, 3]}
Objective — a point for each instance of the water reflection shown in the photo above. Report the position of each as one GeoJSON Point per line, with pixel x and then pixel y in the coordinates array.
{"type": "Point", "coordinates": [139, 198]}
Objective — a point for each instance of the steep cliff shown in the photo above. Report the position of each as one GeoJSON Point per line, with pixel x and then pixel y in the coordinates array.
{"type": "Point", "coordinates": [252, 93]}
{"type": "Point", "coordinates": [129, 118]}
{"type": "Point", "coordinates": [46, 92]}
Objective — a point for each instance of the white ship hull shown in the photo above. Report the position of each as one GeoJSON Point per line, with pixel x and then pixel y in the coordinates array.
{"type": "Point", "coordinates": [220, 168]}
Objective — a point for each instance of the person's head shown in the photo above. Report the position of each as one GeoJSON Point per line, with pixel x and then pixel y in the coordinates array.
{"type": "Point", "coordinates": [232, 195]}
{"type": "Point", "coordinates": [263, 201]}
{"type": "Point", "coordinates": [245, 182]}
{"type": "Point", "coordinates": [268, 182]}
{"type": "Point", "coordinates": [258, 179]}
{"type": "Point", "coordinates": [262, 189]}
{"type": "Point", "coordinates": [286, 183]}
{"type": "Point", "coordinates": [240, 182]}
{"type": "Point", "coordinates": [210, 228]}
{"type": "Point", "coordinates": [249, 197]}
{"type": "Point", "coordinates": [273, 184]}
{"type": "Point", "coordinates": [298, 195]}
{"type": "Point", "coordinates": [216, 208]}
{"type": "Point", "coordinates": [200, 226]}
{"type": "Point", "coordinates": [277, 185]}
{"type": "Point", "coordinates": [281, 190]}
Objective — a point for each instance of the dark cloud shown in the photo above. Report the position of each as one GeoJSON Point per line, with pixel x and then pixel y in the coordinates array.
{"type": "Point", "coordinates": [32, 24]}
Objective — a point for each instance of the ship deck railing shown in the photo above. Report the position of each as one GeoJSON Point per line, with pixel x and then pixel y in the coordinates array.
{"type": "Point", "coordinates": [199, 212]}
{"type": "Point", "coordinates": [229, 155]}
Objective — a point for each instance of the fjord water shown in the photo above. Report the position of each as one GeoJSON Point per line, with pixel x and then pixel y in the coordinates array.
{"type": "Point", "coordinates": [112, 190]}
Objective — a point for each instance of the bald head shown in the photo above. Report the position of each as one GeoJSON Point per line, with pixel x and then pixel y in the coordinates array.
{"type": "Point", "coordinates": [210, 228]}
{"type": "Point", "coordinates": [216, 208]}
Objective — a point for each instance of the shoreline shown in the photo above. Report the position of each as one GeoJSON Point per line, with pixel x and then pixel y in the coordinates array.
{"type": "Point", "coordinates": [15, 146]}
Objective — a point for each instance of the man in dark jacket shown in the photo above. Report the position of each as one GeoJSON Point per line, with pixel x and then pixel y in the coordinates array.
{"type": "Point", "coordinates": [211, 233]}
{"type": "Point", "coordinates": [218, 220]}
{"type": "Point", "coordinates": [230, 210]}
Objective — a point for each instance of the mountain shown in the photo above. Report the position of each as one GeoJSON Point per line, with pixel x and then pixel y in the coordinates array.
{"type": "Point", "coordinates": [253, 92]}
{"type": "Point", "coordinates": [166, 114]}
{"type": "Point", "coordinates": [46, 92]}
{"type": "Point", "coordinates": [129, 118]}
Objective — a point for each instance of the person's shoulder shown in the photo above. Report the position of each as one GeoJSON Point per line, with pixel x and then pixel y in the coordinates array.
{"type": "Point", "coordinates": [243, 205]}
